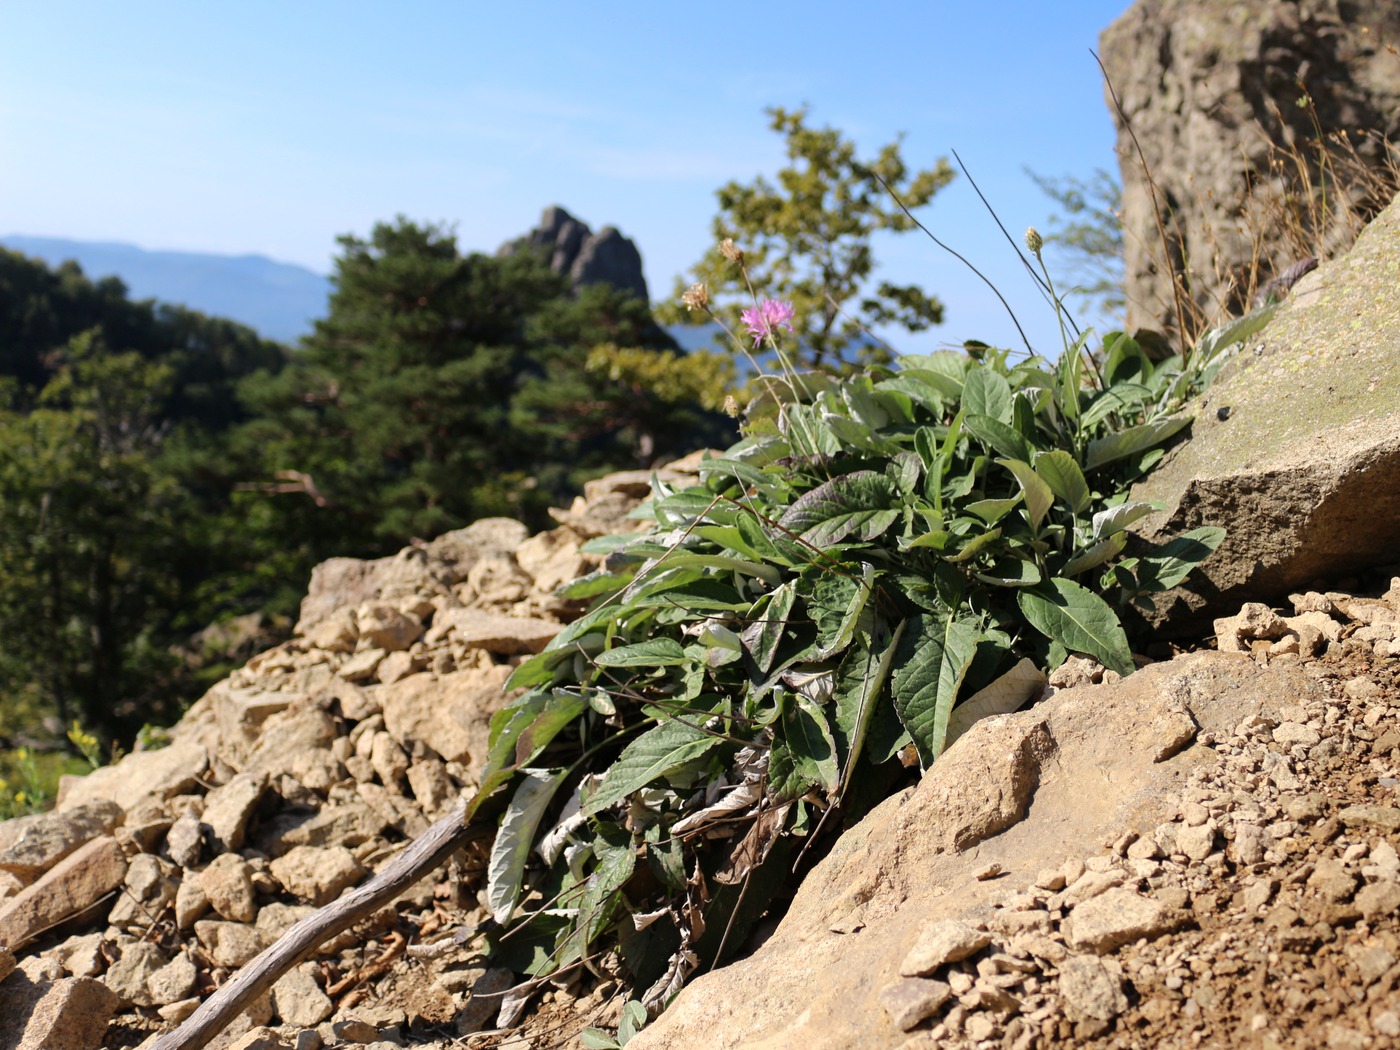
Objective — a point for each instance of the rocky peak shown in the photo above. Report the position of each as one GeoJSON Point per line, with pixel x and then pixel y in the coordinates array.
{"type": "Point", "coordinates": [571, 248]}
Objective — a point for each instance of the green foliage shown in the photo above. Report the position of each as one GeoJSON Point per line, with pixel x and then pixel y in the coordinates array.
{"type": "Point", "coordinates": [878, 562]}
{"type": "Point", "coordinates": [807, 240]}
{"type": "Point", "coordinates": [444, 387]}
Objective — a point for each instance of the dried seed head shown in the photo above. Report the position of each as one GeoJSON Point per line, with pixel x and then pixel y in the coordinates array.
{"type": "Point", "coordinates": [731, 406]}
{"type": "Point", "coordinates": [730, 250]}
{"type": "Point", "coordinates": [1034, 241]}
{"type": "Point", "coordinates": [696, 297]}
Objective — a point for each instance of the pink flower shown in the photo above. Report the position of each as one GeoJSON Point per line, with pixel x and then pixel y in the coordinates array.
{"type": "Point", "coordinates": [766, 318]}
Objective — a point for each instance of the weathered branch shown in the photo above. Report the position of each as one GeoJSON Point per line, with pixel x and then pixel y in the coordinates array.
{"type": "Point", "coordinates": [424, 855]}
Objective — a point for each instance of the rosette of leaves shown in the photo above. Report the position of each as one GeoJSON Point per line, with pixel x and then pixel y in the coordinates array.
{"type": "Point", "coordinates": [873, 554]}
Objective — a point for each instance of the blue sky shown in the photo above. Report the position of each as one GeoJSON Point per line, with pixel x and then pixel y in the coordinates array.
{"type": "Point", "coordinates": [271, 128]}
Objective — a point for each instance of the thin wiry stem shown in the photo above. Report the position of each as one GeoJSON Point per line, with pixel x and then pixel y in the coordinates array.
{"type": "Point", "coordinates": [962, 259]}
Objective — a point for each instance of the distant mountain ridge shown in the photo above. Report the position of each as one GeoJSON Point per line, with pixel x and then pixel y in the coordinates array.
{"type": "Point", "coordinates": [280, 300]}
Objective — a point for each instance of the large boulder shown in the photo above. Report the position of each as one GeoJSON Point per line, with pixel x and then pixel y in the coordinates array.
{"type": "Point", "coordinates": [1211, 92]}
{"type": "Point", "coordinates": [1296, 448]}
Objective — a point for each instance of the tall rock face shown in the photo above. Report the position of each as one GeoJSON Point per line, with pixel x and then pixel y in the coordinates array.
{"type": "Point", "coordinates": [585, 257]}
{"type": "Point", "coordinates": [1212, 93]}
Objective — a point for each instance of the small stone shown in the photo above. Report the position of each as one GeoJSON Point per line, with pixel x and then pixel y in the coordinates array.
{"type": "Point", "coordinates": [228, 886]}
{"type": "Point", "coordinates": [317, 874]}
{"type": "Point", "coordinates": [1293, 734]}
{"type": "Point", "coordinates": [173, 982]}
{"type": "Point", "coordinates": [1115, 918]}
{"type": "Point", "coordinates": [1093, 987]}
{"type": "Point", "coordinates": [939, 943]}
{"type": "Point", "coordinates": [1367, 815]}
{"type": "Point", "coordinates": [299, 1000]}
{"type": "Point", "coordinates": [260, 1038]}
{"type": "Point", "coordinates": [1378, 899]}
{"type": "Point", "coordinates": [1051, 879]}
{"type": "Point", "coordinates": [1332, 881]}
{"type": "Point", "coordinates": [913, 1000]}
{"type": "Point", "coordinates": [1196, 842]}
{"type": "Point", "coordinates": [177, 1012]}
{"type": "Point", "coordinates": [128, 976]}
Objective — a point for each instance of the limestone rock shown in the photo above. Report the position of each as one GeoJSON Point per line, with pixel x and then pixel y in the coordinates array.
{"type": "Point", "coordinates": [317, 875]}
{"type": "Point", "coordinates": [30, 846]}
{"type": "Point", "coordinates": [1118, 917]}
{"type": "Point", "coordinates": [1093, 987]}
{"type": "Point", "coordinates": [228, 886]}
{"type": "Point", "coordinates": [1304, 474]}
{"type": "Point", "coordinates": [382, 626]}
{"type": "Point", "coordinates": [128, 976]}
{"type": "Point", "coordinates": [228, 808]}
{"type": "Point", "coordinates": [299, 1000]}
{"type": "Point", "coordinates": [71, 886]}
{"type": "Point", "coordinates": [505, 635]}
{"type": "Point", "coordinates": [942, 942]}
{"type": "Point", "coordinates": [451, 714]}
{"type": "Point", "coordinates": [163, 774]}
{"type": "Point", "coordinates": [1208, 88]}
{"type": "Point", "coordinates": [173, 982]}
{"type": "Point", "coordinates": [67, 1014]}
{"type": "Point", "coordinates": [911, 1000]}
{"type": "Point", "coordinates": [229, 944]}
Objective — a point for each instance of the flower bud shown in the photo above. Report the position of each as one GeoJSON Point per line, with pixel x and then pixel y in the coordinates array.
{"type": "Point", "coordinates": [1034, 241]}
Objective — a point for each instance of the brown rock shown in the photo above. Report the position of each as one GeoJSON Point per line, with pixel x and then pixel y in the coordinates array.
{"type": "Point", "coordinates": [1304, 474]}
{"type": "Point", "coordinates": [942, 942]}
{"type": "Point", "coordinates": [317, 874]}
{"type": "Point", "coordinates": [170, 771]}
{"type": "Point", "coordinates": [383, 627]}
{"type": "Point", "coordinates": [67, 1014]}
{"type": "Point", "coordinates": [298, 1000]}
{"type": "Point", "coordinates": [128, 976]}
{"type": "Point", "coordinates": [1118, 917]}
{"type": "Point", "coordinates": [174, 982]}
{"type": "Point", "coordinates": [30, 846]}
{"type": "Point", "coordinates": [70, 887]}
{"type": "Point", "coordinates": [493, 632]}
{"type": "Point", "coordinates": [228, 886]}
{"type": "Point", "coordinates": [451, 714]}
{"type": "Point", "coordinates": [913, 1000]}
{"type": "Point", "coordinates": [1093, 987]}
{"type": "Point", "coordinates": [228, 808]}
{"type": "Point", "coordinates": [229, 944]}
{"type": "Point", "coordinates": [285, 737]}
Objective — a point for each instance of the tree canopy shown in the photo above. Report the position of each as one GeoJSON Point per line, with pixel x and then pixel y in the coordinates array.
{"type": "Point", "coordinates": [808, 240]}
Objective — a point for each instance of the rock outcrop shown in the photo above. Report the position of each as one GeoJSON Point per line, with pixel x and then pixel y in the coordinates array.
{"type": "Point", "coordinates": [584, 257]}
{"type": "Point", "coordinates": [1212, 92]}
{"type": "Point", "coordinates": [1295, 450]}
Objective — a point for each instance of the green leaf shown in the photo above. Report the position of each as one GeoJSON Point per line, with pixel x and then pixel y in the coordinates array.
{"type": "Point", "coordinates": [932, 661]}
{"type": "Point", "coordinates": [617, 859]}
{"type": "Point", "coordinates": [985, 393]}
{"type": "Point", "coordinates": [975, 546]}
{"type": "Point", "coordinates": [998, 436]}
{"type": "Point", "coordinates": [596, 1039]}
{"type": "Point", "coordinates": [1061, 472]}
{"type": "Point", "coordinates": [1116, 446]}
{"type": "Point", "coordinates": [765, 631]}
{"type": "Point", "coordinates": [595, 584]}
{"type": "Point", "coordinates": [990, 510]}
{"type": "Point", "coordinates": [836, 604]}
{"type": "Point", "coordinates": [657, 652]}
{"type": "Point", "coordinates": [859, 505]}
{"type": "Point", "coordinates": [657, 753]}
{"type": "Point", "coordinates": [808, 736]}
{"type": "Point", "coordinates": [515, 838]}
{"type": "Point", "coordinates": [1172, 562]}
{"type": "Point", "coordinates": [1038, 494]}
{"type": "Point", "coordinates": [1079, 620]}
{"type": "Point", "coordinates": [1096, 555]}
{"type": "Point", "coordinates": [1011, 572]}
{"type": "Point", "coordinates": [858, 691]}
{"type": "Point", "coordinates": [1116, 519]}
